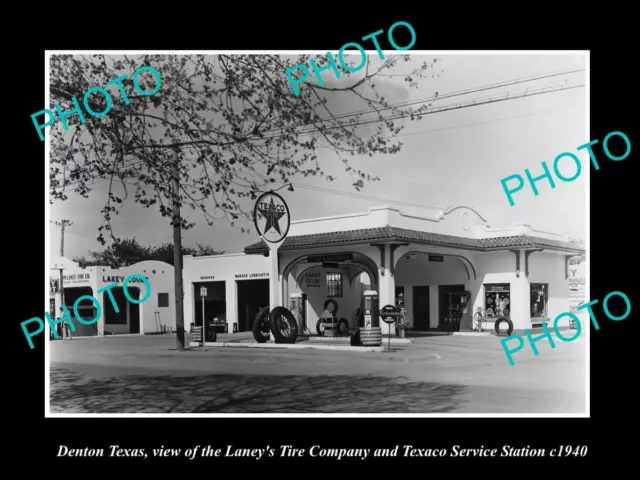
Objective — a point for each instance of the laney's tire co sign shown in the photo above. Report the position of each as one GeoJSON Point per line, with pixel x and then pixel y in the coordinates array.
{"type": "Point", "coordinates": [271, 217]}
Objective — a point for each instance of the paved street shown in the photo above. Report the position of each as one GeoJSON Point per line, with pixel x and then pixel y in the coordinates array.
{"type": "Point", "coordinates": [438, 374]}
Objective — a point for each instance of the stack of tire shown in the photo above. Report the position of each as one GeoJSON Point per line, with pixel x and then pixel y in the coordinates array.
{"type": "Point", "coordinates": [342, 324]}
{"type": "Point", "coordinates": [196, 332]}
{"type": "Point", "coordinates": [261, 327]}
{"type": "Point", "coordinates": [280, 322]}
{"type": "Point", "coordinates": [371, 336]}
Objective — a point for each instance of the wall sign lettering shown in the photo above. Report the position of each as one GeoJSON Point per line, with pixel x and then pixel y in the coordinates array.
{"type": "Point", "coordinates": [312, 280]}
{"type": "Point", "coordinates": [251, 275]}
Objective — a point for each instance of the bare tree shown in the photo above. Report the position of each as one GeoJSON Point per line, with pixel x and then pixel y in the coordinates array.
{"type": "Point", "coordinates": [222, 128]}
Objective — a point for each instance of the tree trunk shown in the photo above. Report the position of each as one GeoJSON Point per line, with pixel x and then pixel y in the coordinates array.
{"type": "Point", "coordinates": [177, 253]}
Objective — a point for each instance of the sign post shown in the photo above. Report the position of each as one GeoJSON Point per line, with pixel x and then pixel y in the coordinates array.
{"type": "Point", "coordinates": [272, 220]}
{"type": "Point", "coordinates": [389, 315]}
{"type": "Point", "coordinates": [61, 328]}
{"type": "Point", "coordinates": [203, 293]}
{"type": "Point", "coordinates": [54, 291]}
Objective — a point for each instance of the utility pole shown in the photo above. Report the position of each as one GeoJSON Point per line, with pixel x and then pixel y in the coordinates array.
{"type": "Point", "coordinates": [62, 224]}
{"type": "Point", "coordinates": [177, 249]}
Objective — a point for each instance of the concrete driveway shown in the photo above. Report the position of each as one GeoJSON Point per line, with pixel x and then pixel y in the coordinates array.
{"type": "Point", "coordinates": [439, 374]}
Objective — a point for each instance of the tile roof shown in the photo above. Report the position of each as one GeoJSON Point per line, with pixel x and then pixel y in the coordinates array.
{"type": "Point", "coordinates": [393, 234]}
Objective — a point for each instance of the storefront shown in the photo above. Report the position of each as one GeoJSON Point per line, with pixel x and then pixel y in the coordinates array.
{"type": "Point", "coordinates": [441, 265]}
{"type": "Point", "coordinates": [155, 314]}
{"type": "Point", "coordinates": [237, 286]}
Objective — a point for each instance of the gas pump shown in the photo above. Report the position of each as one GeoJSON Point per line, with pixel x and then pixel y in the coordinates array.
{"type": "Point", "coordinates": [371, 309]}
{"type": "Point", "coordinates": [297, 305]}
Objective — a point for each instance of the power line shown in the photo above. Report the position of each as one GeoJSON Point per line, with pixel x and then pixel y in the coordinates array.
{"type": "Point", "coordinates": [374, 198]}
{"type": "Point", "coordinates": [473, 103]}
{"type": "Point", "coordinates": [82, 235]}
{"type": "Point", "coordinates": [469, 103]}
{"type": "Point", "coordinates": [447, 95]}
{"type": "Point", "coordinates": [348, 194]}
{"type": "Point", "coordinates": [440, 97]}
{"type": "Point", "coordinates": [419, 132]}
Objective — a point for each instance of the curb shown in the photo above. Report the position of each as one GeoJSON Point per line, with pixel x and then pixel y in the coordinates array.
{"type": "Point", "coordinates": [86, 337]}
{"type": "Point", "coordinates": [385, 340]}
{"type": "Point", "coordinates": [286, 345]}
{"type": "Point", "coordinates": [473, 334]}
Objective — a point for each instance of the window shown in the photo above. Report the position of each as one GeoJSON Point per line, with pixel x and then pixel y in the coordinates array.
{"type": "Point", "coordinates": [163, 299]}
{"type": "Point", "coordinates": [539, 298]}
{"type": "Point", "coordinates": [334, 284]}
{"type": "Point", "coordinates": [497, 300]}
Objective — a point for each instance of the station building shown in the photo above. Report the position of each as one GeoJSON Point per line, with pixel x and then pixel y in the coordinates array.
{"type": "Point", "coordinates": [441, 265]}
{"type": "Point", "coordinates": [155, 314]}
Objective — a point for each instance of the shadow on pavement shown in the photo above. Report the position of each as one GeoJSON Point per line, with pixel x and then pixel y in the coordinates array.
{"type": "Point", "coordinates": [427, 333]}
{"type": "Point", "coordinates": [74, 393]}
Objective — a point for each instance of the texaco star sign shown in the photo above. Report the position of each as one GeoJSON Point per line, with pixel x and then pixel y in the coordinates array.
{"type": "Point", "coordinates": [271, 217]}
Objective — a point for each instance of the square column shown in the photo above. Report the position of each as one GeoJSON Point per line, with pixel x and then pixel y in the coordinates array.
{"type": "Point", "coordinates": [386, 287]}
{"type": "Point", "coordinates": [275, 297]}
{"type": "Point", "coordinates": [231, 301]}
{"type": "Point", "coordinates": [520, 307]}
{"type": "Point", "coordinates": [275, 293]}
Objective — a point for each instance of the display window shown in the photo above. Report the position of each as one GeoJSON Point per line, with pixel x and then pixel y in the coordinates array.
{"type": "Point", "coordinates": [497, 300]}
{"type": "Point", "coordinates": [539, 298]}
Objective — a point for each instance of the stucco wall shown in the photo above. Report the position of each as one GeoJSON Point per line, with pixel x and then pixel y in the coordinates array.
{"type": "Point", "coordinates": [352, 292]}
{"type": "Point", "coordinates": [313, 282]}
{"type": "Point", "coordinates": [500, 267]}
{"type": "Point", "coordinates": [159, 275]}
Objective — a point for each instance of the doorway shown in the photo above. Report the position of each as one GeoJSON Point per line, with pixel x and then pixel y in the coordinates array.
{"type": "Point", "coordinates": [421, 307]}
{"type": "Point", "coordinates": [86, 309]}
{"type": "Point", "coordinates": [451, 307]}
{"type": "Point", "coordinates": [252, 295]}
{"type": "Point", "coordinates": [215, 303]}
{"type": "Point", "coordinates": [127, 318]}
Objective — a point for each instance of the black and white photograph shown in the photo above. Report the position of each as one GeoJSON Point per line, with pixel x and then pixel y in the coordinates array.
{"type": "Point", "coordinates": [357, 234]}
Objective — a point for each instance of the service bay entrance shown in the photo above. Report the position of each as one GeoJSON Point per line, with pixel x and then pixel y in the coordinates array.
{"type": "Point", "coordinates": [252, 295]}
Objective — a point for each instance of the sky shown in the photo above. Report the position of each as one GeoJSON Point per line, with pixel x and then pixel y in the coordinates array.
{"type": "Point", "coordinates": [451, 157]}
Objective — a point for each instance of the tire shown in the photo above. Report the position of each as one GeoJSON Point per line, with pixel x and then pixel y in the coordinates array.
{"type": "Point", "coordinates": [261, 325]}
{"type": "Point", "coordinates": [211, 335]}
{"type": "Point", "coordinates": [196, 334]}
{"type": "Point", "coordinates": [283, 325]}
{"type": "Point", "coordinates": [335, 305]}
{"type": "Point", "coordinates": [319, 329]}
{"type": "Point", "coordinates": [343, 326]}
{"type": "Point", "coordinates": [499, 321]}
{"type": "Point", "coordinates": [355, 340]}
